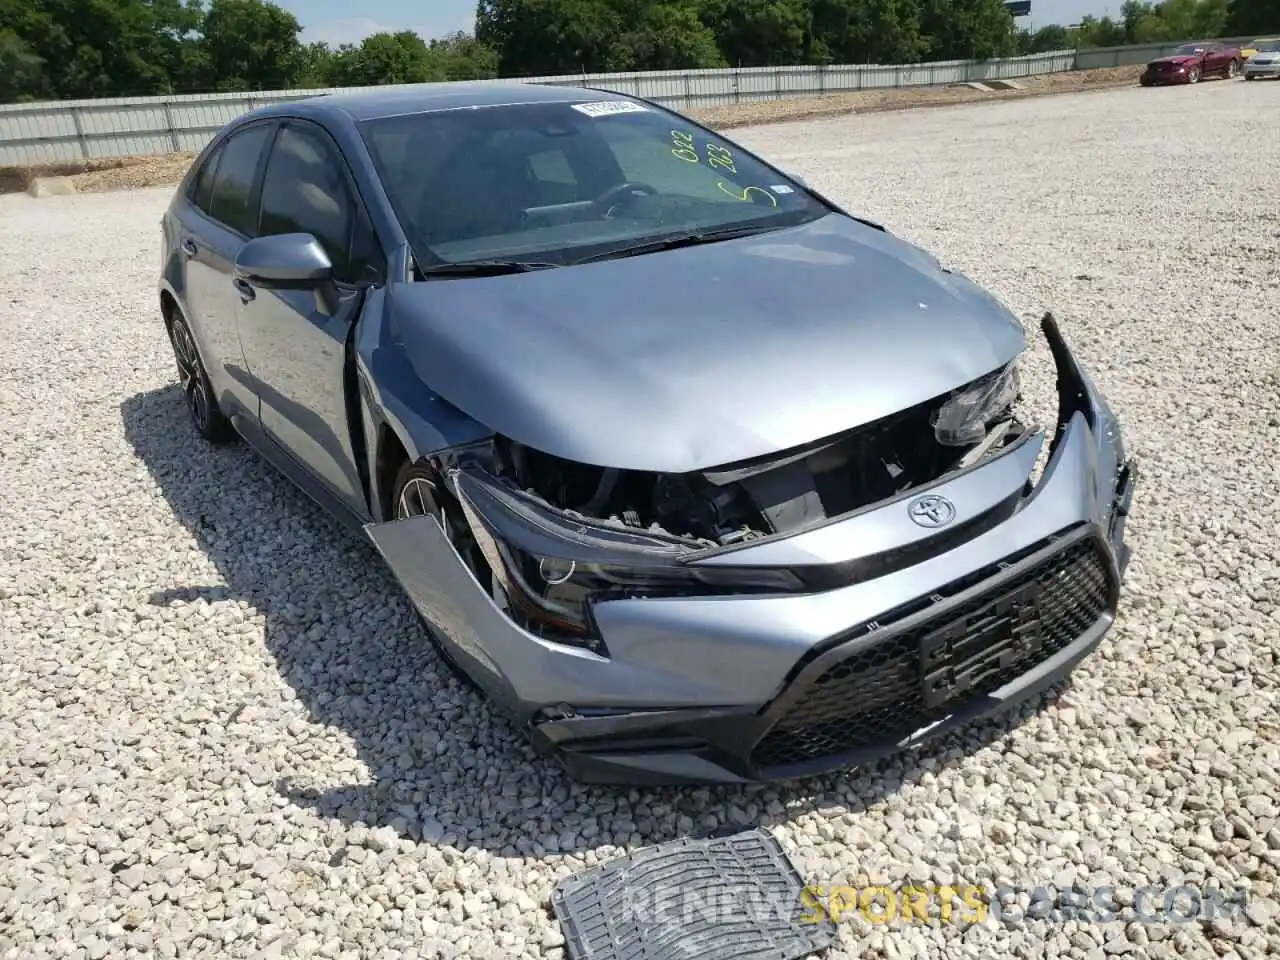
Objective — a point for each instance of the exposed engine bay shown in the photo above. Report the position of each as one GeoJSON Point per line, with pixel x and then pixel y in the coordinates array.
{"type": "Point", "coordinates": [792, 490]}
{"type": "Point", "coordinates": [545, 535]}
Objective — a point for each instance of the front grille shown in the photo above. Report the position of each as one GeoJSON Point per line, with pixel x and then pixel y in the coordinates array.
{"type": "Point", "coordinates": [885, 692]}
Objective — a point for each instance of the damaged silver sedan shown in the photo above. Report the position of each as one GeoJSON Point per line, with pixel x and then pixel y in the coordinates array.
{"type": "Point", "coordinates": [696, 475]}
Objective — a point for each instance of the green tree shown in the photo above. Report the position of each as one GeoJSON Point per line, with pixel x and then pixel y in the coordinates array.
{"type": "Point", "coordinates": [1105, 32]}
{"type": "Point", "coordinates": [96, 48]}
{"type": "Point", "coordinates": [540, 37]}
{"type": "Point", "coordinates": [1253, 17]}
{"type": "Point", "coordinates": [967, 29]}
{"type": "Point", "coordinates": [665, 36]}
{"type": "Point", "coordinates": [760, 33]}
{"type": "Point", "coordinates": [386, 58]}
{"type": "Point", "coordinates": [251, 45]}
{"type": "Point", "coordinates": [460, 56]}
{"type": "Point", "coordinates": [1053, 37]}
{"type": "Point", "coordinates": [866, 31]}
{"type": "Point", "coordinates": [21, 71]}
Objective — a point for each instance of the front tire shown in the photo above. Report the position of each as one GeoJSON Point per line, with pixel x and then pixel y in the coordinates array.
{"type": "Point", "coordinates": [197, 392]}
{"type": "Point", "coordinates": [416, 493]}
{"type": "Point", "coordinates": [1194, 75]}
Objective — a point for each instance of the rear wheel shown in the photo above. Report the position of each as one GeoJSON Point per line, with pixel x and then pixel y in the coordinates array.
{"type": "Point", "coordinates": [194, 381]}
{"type": "Point", "coordinates": [1232, 69]}
{"type": "Point", "coordinates": [416, 493]}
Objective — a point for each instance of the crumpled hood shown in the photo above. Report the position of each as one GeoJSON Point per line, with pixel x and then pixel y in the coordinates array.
{"type": "Point", "coordinates": [707, 355]}
{"type": "Point", "coordinates": [1181, 58]}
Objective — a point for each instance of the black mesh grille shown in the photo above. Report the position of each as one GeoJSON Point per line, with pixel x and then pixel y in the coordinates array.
{"type": "Point", "coordinates": [887, 691]}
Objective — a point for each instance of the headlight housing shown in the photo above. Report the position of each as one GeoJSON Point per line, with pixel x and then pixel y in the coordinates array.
{"type": "Point", "coordinates": [965, 417]}
{"type": "Point", "coordinates": [552, 566]}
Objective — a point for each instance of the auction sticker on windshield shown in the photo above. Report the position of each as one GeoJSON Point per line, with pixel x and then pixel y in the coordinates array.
{"type": "Point", "coordinates": [607, 108]}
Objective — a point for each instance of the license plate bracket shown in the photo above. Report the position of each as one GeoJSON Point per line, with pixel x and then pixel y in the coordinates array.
{"type": "Point", "coordinates": [965, 653]}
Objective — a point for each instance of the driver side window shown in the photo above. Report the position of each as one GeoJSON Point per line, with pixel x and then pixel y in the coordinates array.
{"type": "Point", "coordinates": [305, 190]}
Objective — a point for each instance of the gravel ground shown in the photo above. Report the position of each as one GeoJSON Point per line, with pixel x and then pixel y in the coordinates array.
{"type": "Point", "coordinates": [222, 732]}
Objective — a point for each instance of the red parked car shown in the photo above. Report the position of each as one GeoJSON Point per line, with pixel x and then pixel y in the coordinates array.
{"type": "Point", "coordinates": [1191, 62]}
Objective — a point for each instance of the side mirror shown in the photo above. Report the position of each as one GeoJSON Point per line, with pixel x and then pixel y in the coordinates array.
{"type": "Point", "coordinates": [286, 258]}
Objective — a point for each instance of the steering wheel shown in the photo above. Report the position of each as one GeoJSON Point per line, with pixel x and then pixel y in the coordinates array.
{"type": "Point", "coordinates": [615, 194]}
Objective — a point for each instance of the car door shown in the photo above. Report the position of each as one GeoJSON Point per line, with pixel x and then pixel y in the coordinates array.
{"type": "Point", "coordinates": [221, 220]}
{"type": "Point", "coordinates": [1215, 58]}
{"type": "Point", "coordinates": [295, 339]}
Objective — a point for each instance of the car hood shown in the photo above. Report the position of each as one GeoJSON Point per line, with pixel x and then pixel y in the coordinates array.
{"type": "Point", "coordinates": [706, 355]}
{"type": "Point", "coordinates": [1178, 58]}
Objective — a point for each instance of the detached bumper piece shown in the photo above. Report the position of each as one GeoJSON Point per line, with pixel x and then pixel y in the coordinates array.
{"type": "Point", "coordinates": [930, 663]}
{"type": "Point", "coordinates": [725, 898]}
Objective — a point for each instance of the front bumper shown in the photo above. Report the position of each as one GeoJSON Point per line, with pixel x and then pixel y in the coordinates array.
{"type": "Point", "coordinates": [1160, 78]}
{"type": "Point", "coordinates": [1255, 69]}
{"type": "Point", "coordinates": [924, 631]}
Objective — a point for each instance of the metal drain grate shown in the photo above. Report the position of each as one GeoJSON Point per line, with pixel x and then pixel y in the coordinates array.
{"type": "Point", "coordinates": [725, 898]}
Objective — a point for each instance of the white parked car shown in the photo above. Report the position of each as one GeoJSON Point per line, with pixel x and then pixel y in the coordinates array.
{"type": "Point", "coordinates": [1265, 62]}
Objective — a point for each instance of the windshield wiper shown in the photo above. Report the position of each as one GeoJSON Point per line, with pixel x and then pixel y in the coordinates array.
{"type": "Point", "coordinates": [674, 242]}
{"type": "Point", "coordinates": [484, 268]}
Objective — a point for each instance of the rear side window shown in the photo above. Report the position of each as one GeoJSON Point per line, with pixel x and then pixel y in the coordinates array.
{"type": "Point", "coordinates": [202, 184]}
{"type": "Point", "coordinates": [233, 180]}
{"type": "Point", "coordinates": [305, 191]}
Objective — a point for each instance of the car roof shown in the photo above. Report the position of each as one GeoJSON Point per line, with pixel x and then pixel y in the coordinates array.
{"type": "Point", "coordinates": [373, 102]}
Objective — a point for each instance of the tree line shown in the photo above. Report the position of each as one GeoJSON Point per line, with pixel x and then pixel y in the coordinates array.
{"type": "Point", "coordinates": [60, 49]}
{"type": "Point", "coordinates": [1169, 21]}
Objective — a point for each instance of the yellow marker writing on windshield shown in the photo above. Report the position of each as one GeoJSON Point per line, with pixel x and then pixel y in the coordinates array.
{"type": "Point", "coordinates": [683, 148]}
{"type": "Point", "coordinates": [745, 195]}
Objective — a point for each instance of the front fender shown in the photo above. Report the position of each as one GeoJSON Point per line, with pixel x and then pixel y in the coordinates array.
{"type": "Point", "coordinates": [392, 394]}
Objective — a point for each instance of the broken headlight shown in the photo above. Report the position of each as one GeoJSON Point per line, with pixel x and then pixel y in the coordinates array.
{"type": "Point", "coordinates": [965, 416]}
{"type": "Point", "coordinates": [551, 566]}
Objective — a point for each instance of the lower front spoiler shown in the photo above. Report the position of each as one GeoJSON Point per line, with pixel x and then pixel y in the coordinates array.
{"type": "Point", "coordinates": [730, 744]}
{"type": "Point", "coordinates": [681, 746]}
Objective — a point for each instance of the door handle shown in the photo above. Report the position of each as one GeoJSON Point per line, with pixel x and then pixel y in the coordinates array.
{"type": "Point", "coordinates": [245, 289]}
{"type": "Point", "coordinates": [189, 247]}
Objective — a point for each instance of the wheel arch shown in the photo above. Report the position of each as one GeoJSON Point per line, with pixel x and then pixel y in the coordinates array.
{"type": "Point", "coordinates": [168, 305]}
{"type": "Point", "coordinates": [390, 456]}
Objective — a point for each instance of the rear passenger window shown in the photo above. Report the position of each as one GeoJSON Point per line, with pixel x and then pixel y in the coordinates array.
{"type": "Point", "coordinates": [233, 180]}
{"type": "Point", "coordinates": [202, 184]}
{"type": "Point", "coordinates": [305, 191]}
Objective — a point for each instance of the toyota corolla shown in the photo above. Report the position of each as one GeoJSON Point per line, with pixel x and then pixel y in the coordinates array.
{"type": "Point", "coordinates": [697, 475]}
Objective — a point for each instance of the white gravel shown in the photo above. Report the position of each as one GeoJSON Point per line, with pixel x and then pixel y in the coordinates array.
{"type": "Point", "coordinates": [222, 733]}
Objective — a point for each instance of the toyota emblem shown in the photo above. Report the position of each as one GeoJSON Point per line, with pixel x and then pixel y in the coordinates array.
{"type": "Point", "coordinates": [931, 510]}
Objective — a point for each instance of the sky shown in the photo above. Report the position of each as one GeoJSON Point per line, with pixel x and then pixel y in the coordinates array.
{"type": "Point", "coordinates": [332, 21]}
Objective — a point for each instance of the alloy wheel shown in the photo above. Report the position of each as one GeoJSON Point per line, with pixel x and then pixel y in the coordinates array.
{"type": "Point", "coordinates": [1232, 69]}
{"type": "Point", "coordinates": [417, 499]}
{"type": "Point", "coordinates": [190, 375]}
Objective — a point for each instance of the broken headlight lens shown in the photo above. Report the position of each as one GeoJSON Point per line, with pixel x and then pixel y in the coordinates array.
{"type": "Point", "coordinates": [556, 592]}
{"type": "Point", "coordinates": [964, 418]}
{"type": "Point", "coordinates": [552, 566]}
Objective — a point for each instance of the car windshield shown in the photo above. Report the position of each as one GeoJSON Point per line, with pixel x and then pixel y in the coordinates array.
{"type": "Point", "coordinates": [1267, 46]}
{"type": "Point", "coordinates": [1192, 48]}
{"type": "Point", "coordinates": [553, 183]}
